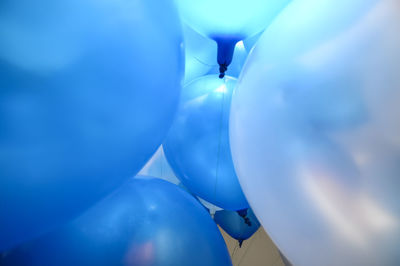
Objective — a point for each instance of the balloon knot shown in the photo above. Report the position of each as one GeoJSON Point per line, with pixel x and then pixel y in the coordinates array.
{"type": "Point", "coordinates": [222, 69]}
{"type": "Point", "coordinates": [240, 242]}
{"type": "Point", "coordinates": [243, 214]}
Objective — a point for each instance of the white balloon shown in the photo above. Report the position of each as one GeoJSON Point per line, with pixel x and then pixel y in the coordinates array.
{"type": "Point", "coordinates": [315, 132]}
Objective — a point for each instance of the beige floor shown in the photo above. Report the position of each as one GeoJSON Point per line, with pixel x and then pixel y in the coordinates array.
{"type": "Point", "coordinates": [259, 250]}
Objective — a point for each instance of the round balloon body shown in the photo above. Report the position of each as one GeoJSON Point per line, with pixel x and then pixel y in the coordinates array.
{"type": "Point", "coordinates": [235, 225]}
{"type": "Point", "coordinates": [80, 107]}
{"type": "Point", "coordinates": [145, 222]}
{"type": "Point", "coordinates": [315, 132]}
{"type": "Point", "coordinates": [197, 146]}
{"type": "Point", "coordinates": [229, 21]}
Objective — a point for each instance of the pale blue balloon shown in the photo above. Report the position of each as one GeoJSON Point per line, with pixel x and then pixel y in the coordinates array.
{"type": "Point", "coordinates": [146, 222]}
{"type": "Point", "coordinates": [88, 92]}
{"type": "Point", "coordinates": [197, 146]}
{"type": "Point", "coordinates": [315, 132]}
{"type": "Point", "coordinates": [249, 43]}
{"type": "Point", "coordinates": [200, 54]}
{"type": "Point", "coordinates": [229, 21]}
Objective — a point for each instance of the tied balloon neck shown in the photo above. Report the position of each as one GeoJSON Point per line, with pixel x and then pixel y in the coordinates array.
{"type": "Point", "coordinates": [240, 242]}
{"type": "Point", "coordinates": [222, 69]}
{"type": "Point", "coordinates": [243, 214]}
{"type": "Point", "coordinates": [226, 48]}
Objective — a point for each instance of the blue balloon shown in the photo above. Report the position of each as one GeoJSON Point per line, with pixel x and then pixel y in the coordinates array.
{"type": "Point", "coordinates": [240, 225]}
{"type": "Point", "coordinates": [229, 21]}
{"type": "Point", "coordinates": [88, 92]}
{"type": "Point", "coordinates": [145, 222]}
{"type": "Point", "coordinates": [197, 146]}
{"type": "Point", "coordinates": [249, 43]}
{"type": "Point", "coordinates": [200, 54]}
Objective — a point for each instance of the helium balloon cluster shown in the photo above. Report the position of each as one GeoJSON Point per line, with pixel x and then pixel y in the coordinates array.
{"type": "Point", "coordinates": [285, 108]}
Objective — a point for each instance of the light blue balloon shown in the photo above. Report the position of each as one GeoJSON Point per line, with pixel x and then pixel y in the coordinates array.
{"type": "Point", "coordinates": [200, 54]}
{"type": "Point", "coordinates": [145, 222]}
{"type": "Point", "coordinates": [236, 225]}
{"type": "Point", "coordinates": [249, 43]}
{"type": "Point", "coordinates": [197, 146]}
{"type": "Point", "coordinates": [229, 21]}
{"type": "Point", "coordinates": [88, 92]}
{"type": "Point", "coordinates": [315, 132]}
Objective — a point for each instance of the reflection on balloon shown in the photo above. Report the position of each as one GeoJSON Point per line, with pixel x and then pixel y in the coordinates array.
{"type": "Point", "coordinates": [80, 108]}
{"type": "Point", "coordinates": [145, 222]}
{"type": "Point", "coordinates": [197, 146]}
{"type": "Point", "coordinates": [315, 132]}
{"type": "Point", "coordinates": [229, 21]}
{"type": "Point", "coordinates": [237, 225]}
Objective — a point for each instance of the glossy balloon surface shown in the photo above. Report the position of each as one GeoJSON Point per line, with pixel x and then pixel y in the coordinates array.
{"type": "Point", "coordinates": [315, 132]}
{"type": "Point", "coordinates": [235, 225]}
{"type": "Point", "coordinates": [197, 146]}
{"type": "Point", "coordinates": [249, 43]}
{"type": "Point", "coordinates": [145, 222]}
{"type": "Point", "coordinates": [87, 96]}
{"type": "Point", "coordinates": [229, 19]}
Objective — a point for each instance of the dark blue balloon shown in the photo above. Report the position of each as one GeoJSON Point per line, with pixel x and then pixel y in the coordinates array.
{"type": "Point", "coordinates": [237, 226]}
{"type": "Point", "coordinates": [88, 92]}
{"type": "Point", "coordinates": [197, 146]}
{"type": "Point", "coordinates": [146, 222]}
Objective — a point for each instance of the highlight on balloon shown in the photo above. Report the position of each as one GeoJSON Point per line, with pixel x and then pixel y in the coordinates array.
{"type": "Point", "coordinates": [201, 132]}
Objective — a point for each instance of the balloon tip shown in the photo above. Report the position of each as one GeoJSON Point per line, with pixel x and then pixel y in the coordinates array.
{"type": "Point", "coordinates": [243, 214]}
{"type": "Point", "coordinates": [222, 69]}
